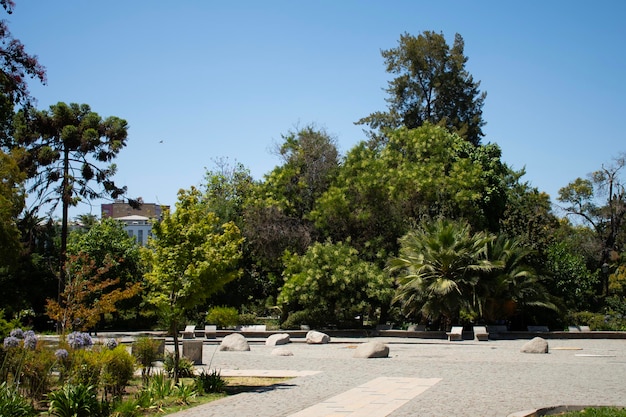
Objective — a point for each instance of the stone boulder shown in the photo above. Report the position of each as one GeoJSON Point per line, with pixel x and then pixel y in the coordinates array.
{"type": "Point", "coordinates": [317, 338]}
{"type": "Point", "coordinates": [277, 339]}
{"type": "Point", "coordinates": [372, 349]}
{"type": "Point", "coordinates": [281, 351]}
{"type": "Point", "coordinates": [234, 342]}
{"type": "Point", "coordinates": [535, 345]}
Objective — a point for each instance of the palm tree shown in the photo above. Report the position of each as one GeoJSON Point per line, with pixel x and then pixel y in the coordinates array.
{"type": "Point", "coordinates": [511, 284]}
{"type": "Point", "coordinates": [438, 267]}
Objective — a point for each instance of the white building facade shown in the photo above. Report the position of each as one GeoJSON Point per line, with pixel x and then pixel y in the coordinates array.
{"type": "Point", "coordinates": [138, 227]}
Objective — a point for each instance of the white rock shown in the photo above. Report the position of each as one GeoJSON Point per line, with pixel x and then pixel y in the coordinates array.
{"type": "Point", "coordinates": [372, 349]}
{"type": "Point", "coordinates": [234, 342]}
{"type": "Point", "coordinates": [317, 338]}
{"type": "Point", "coordinates": [535, 345]}
{"type": "Point", "coordinates": [277, 339]}
{"type": "Point", "coordinates": [281, 351]}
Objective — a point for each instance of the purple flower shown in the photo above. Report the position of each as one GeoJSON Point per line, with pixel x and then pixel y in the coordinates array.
{"type": "Point", "coordinates": [11, 342]}
{"type": "Point", "coordinates": [61, 354]}
{"type": "Point", "coordinates": [17, 333]}
{"type": "Point", "coordinates": [79, 340]}
{"type": "Point", "coordinates": [30, 341]}
{"type": "Point", "coordinates": [111, 344]}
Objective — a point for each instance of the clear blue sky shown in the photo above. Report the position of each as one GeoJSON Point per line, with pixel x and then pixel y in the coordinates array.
{"type": "Point", "coordinates": [218, 79]}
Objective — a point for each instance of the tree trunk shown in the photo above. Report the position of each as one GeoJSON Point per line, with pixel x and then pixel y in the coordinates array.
{"type": "Point", "coordinates": [176, 354]}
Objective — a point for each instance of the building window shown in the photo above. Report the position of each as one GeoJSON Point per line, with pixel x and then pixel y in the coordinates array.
{"type": "Point", "coordinates": [140, 237]}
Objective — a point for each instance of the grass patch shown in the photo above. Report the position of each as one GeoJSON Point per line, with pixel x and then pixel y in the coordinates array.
{"type": "Point", "coordinates": [239, 384]}
{"type": "Point", "coordinates": [596, 412]}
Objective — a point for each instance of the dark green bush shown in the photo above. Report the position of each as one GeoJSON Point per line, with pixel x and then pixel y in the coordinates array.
{"type": "Point", "coordinates": [185, 366]}
{"type": "Point", "coordinates": [247, 318]}
{"type": "Point", "coordinates": [210, 382]}
{"type": "Point", "coordinates": [13, 404]}
{"type": "Point", "coordinates": [74, 400]}
{"type": "Point", "coordinates": [223, 316]}
{"type": "Point", "coordinates": [312, 318]}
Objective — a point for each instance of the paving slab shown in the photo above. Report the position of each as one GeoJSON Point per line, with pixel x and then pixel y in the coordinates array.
{"type": "Point", "coordinates": [473, 378]}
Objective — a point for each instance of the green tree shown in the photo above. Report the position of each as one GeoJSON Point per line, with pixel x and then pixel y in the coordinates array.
{"type": "Point", "coordinates": [331, 283]}
{"type": "Point", "coordinates": [528, 216]}
{"type": "Point", "coordinates": [431, 85]}
{"type": "Point", "coordinates": [600, 201]}
{"type": "Point", "coordinates": [227, 190]}
{"type": "Point", "coordinates": [11, 204]}
{"type": "Point", "coordinates": [571, 279]}
{"type": "Point", "coordinates": [190, 257]}
{"type": "Point", "coordinates": [439, 266]}
{"type": "Point", "coordinates": [424, 172]}
{"type": "Point", "coordinates": [107, 241]}
{"type": "Point", "coordinates": [64, 149]}
{"type": "Point", "coordinates": [276, 215]}
{"type": "Point", "coordinates": [511, 287]}
{"type": "Point", "coordinates": [310, 162]}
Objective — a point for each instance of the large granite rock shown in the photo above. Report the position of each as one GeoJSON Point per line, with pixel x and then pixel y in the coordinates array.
{"type": "Point", "coordinates": [277, 339]}
{"type": "Point", "coordinates": [372, 349]}
{"type": "Point", "coordinates": [281, 351]}
{"type": "Point", "coordinates": [317, 338]}
{"type": "Point", "coordinates": [234, 342]}
{"type": "Point", "coordinates": [535, 345]}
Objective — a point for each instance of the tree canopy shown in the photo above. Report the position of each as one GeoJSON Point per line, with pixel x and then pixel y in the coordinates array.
{"type": "Point", "coordinates": [332, 285]}
{"type": "Point", "coordinates": [191, 256]}
{"type": "Point", "coordinates": [11, 204]}
{"type": "Point", "coordinates": [431, 85]}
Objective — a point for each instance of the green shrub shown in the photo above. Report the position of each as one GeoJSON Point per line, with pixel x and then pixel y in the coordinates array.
{"type": "Point", "coordinates": [185, 366]}
{"type": "Point", "coordinates": [598, 412]}
{"type": "Point", "coordinates": [247, 318]}
{"type": "Point", "coordinates": [74, 401]}
{"type": "Point", "coordinates": [223, 316]}
{"type": "Point", "coordinates": [127, 408]}
{"type": "Point", "coordinates": [609, 321]}
{"type": "Point", "coordinates": [184, 393]}
{"type": "Point", "coordinates": [85, 367]}
{"type": "Point", "coordinates": [160, 386]}
{"type": "Point", "coordinates": [13, 404]}
{"type": "Point", "coordinates": [36, 372]}
{"type": "Point", "coordinates": [146, 351]}
{"type": "Point", "coordinates": [13, 359]}
{"type": "Point", "coordinates": [117, 371]}
{"type": "Point", "coordinates": [210, 382]}
{"type": "Point", "coordinates": [297, 318]}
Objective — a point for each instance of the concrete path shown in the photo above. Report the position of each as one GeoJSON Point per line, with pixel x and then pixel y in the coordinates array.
{"type": "Point", "coordinates": [421, 378]}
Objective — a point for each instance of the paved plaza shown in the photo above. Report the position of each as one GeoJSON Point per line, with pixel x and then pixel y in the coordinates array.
{"type": "Point", "coordinates": [420, 378]}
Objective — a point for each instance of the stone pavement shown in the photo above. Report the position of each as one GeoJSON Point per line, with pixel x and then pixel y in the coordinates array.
{"type": "Point", "coordinates": [421, 378]}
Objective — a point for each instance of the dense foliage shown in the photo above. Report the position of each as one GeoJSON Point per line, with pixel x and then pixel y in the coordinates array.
{"type": "Point", "coordinates": [423, 214]}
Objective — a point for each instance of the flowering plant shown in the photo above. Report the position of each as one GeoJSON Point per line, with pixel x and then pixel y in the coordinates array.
{"type": "Point", "coordinates": [79, 340]}
{"type": "Point", "coordinates": [61, 354]}
{"type": "Point", "coordinates": [11, 342]}
{"type": "Point", "coordinates": [111, 344]}
{"type": "Point", "coordinates": [17, 333]}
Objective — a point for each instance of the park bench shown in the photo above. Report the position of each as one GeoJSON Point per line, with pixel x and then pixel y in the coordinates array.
{"type": "Point", "coordinates": [210, 331]}
{"type": "Point", "coordinates": [480, 333]}
{"type": "Point", "coordinates": [189, 332]}
{"type": "Point", "coordinates": [455, 333]}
